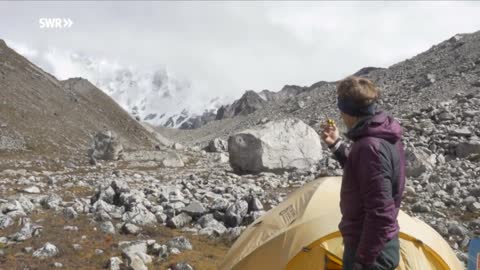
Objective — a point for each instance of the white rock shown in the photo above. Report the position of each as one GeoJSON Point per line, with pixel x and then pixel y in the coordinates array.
{"type": "Point", "coordinates": [47, 251]}
{"type": "Point", "coordinates": [276, 146]}
{"type": "Point", "coordinates": [115, 263]}
{"type": "Point", "coordinates": [173, 160]}
{"type": "Point", "coordinates": [107, 227]}
{"type": "Point", "coordinates": [179, 242]}
{"type": "Point", "coordinates": [32, 190]}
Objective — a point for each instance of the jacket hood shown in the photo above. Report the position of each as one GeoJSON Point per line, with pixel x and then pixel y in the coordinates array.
{"type": "Point", "coordinates": [381, 125]}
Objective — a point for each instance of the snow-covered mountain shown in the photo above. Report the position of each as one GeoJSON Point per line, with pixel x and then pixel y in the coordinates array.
{"type": "Point", "coordinates": [154, 95]}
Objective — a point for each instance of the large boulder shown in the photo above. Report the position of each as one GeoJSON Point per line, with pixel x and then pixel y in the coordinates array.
{"type": "Point", "coordinates": [106, 146]}
{"type": "Point", "coordinates": [277, 146]}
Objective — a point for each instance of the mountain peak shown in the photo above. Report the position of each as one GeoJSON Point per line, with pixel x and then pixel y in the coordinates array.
{"type": "Point", "coordinates": [365, 71]}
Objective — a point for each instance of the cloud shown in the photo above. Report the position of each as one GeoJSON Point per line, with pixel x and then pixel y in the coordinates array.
{"type": "Point", "coordinates": [225, 48]}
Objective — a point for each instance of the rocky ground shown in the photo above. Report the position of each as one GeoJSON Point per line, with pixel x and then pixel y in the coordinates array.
{"type": "Point", "coordinates": [127, 213]}
{"type": "Point", "coordinates": [181, 208]}
{"type": "Point", "coordinates": [444, 173]}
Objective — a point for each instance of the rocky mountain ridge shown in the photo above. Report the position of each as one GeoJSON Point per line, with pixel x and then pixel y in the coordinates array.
{"type": "Point", "coordinates": [42, 115]}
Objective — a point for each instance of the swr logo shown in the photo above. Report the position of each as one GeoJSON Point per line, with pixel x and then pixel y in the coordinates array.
{"type": "Point", "coordinates": [55, 22]}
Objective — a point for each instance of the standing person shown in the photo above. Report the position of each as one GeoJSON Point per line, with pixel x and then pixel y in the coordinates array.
{"type": "Point", "coordinates": [373, 177]}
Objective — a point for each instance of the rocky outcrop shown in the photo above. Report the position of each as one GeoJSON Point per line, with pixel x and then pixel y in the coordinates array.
{"type": "Point", "coordinates": [106, 146]}
{"type": "Point", "coordinates": [217, 145]}
{"type": "Point", "coordinates": [282, 145]}
{"type": "Point", "coordinates": [247, 104]}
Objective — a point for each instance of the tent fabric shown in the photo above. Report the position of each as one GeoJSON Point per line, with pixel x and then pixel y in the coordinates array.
{"type": "Point", "coordinates": [302, 233]}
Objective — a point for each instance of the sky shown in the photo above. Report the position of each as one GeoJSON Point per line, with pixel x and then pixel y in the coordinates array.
{"type": "Point", "coordinates": [225, 48]}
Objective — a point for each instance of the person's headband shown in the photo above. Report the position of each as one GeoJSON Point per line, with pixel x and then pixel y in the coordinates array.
{"type": "Point", "coordinates": [354, 109]}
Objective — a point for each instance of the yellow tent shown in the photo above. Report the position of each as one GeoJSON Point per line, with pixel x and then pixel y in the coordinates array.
{"type": "Point", "coordinates": [302, 233]}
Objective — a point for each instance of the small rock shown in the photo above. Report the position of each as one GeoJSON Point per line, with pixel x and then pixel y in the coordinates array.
{"type": "Point", "coordinates": [162, 251]}
{"type": "Point", "coordinates": [106, 146]}
{"type": "Point", "coordinates": [235, 213]}
{"type": "Point", "coordinates": [5, 221]}
{"type": "Point", "coordinates": [213, 229]}
{"type": "Point", "coordinates": [70, 213]}
{"type": "Point", "coordinates": [32, 190]}
{"type": "Point", "coordinates": [27, 231]}
{"type": "Point", "coordinates": [420, 208]}
{"type": "Point", "coordinates": [474, 207]}
{"type": "Point", "coordinates": [182, 266]}
{"type": "Point", "coordinates": [136, 254]}
{"type": "Point", "coordinates": [131, 229]}
{"type": "Point", "coordinates": [217, 145]}
{"type": "Point", "coordinates": [418, 162]}
{"type": "Point", "coordinates": [195, 209]}
{"type": "Point", "coordinates": [205, 220]}
{"type": "Point", "coordinates": [180, 242]}
{"type": "Point", "coordinates": [409, 190]}
{"type": "Point", "coordinates": [173, 160]}
{"type": "Point", "coordinates": [233, 233]}
{"type": "Point", "coordinates": [161, 217]}
{"type": "Point", "coordinates": [107, 227]}
{"type": "Point", "coordinates": [51, 201]}
{"type": "Point", "coordinates": [446, 116]}
{"type": "Point", "coordinates": [461, 132]}
{"type": "Point", "coordinates": [255, 204]}
{"type": "Point", "coordinates": [47, 251]}
{"type": "Point", "coordinates": [139, 215]}
{"type": "Point", "coordinates": [219, 204]}
{"type": "Point", "coordinates": [179, 221]}
{"type": "Point", "coordinates": [222, 158]}
{"type": "Point", "coordinates": [115, 263]}
{"type": "Point", "coordinates": [456, 229]}
{"type": "Point", "coordinates": [467, 148]}
{"type": "Point", "coordinates": [174, 251]}
{"type": "Point", "coordinates": [178, 146]}
{"type": "Point", "coordinates": [70, 228]}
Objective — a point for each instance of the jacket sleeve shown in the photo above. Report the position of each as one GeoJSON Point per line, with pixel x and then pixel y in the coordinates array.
{"type": "Point", "coordinates": [340, 151]}
{"type": "Point", "coordinates": [374, 175]}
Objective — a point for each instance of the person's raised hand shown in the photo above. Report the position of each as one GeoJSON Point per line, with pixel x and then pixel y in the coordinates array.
{"type": "Point", "coordinates": [329, 133]}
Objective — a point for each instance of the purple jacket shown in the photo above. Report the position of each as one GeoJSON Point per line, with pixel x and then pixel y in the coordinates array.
{"type": "Point", "coordinates": [372, 184]}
